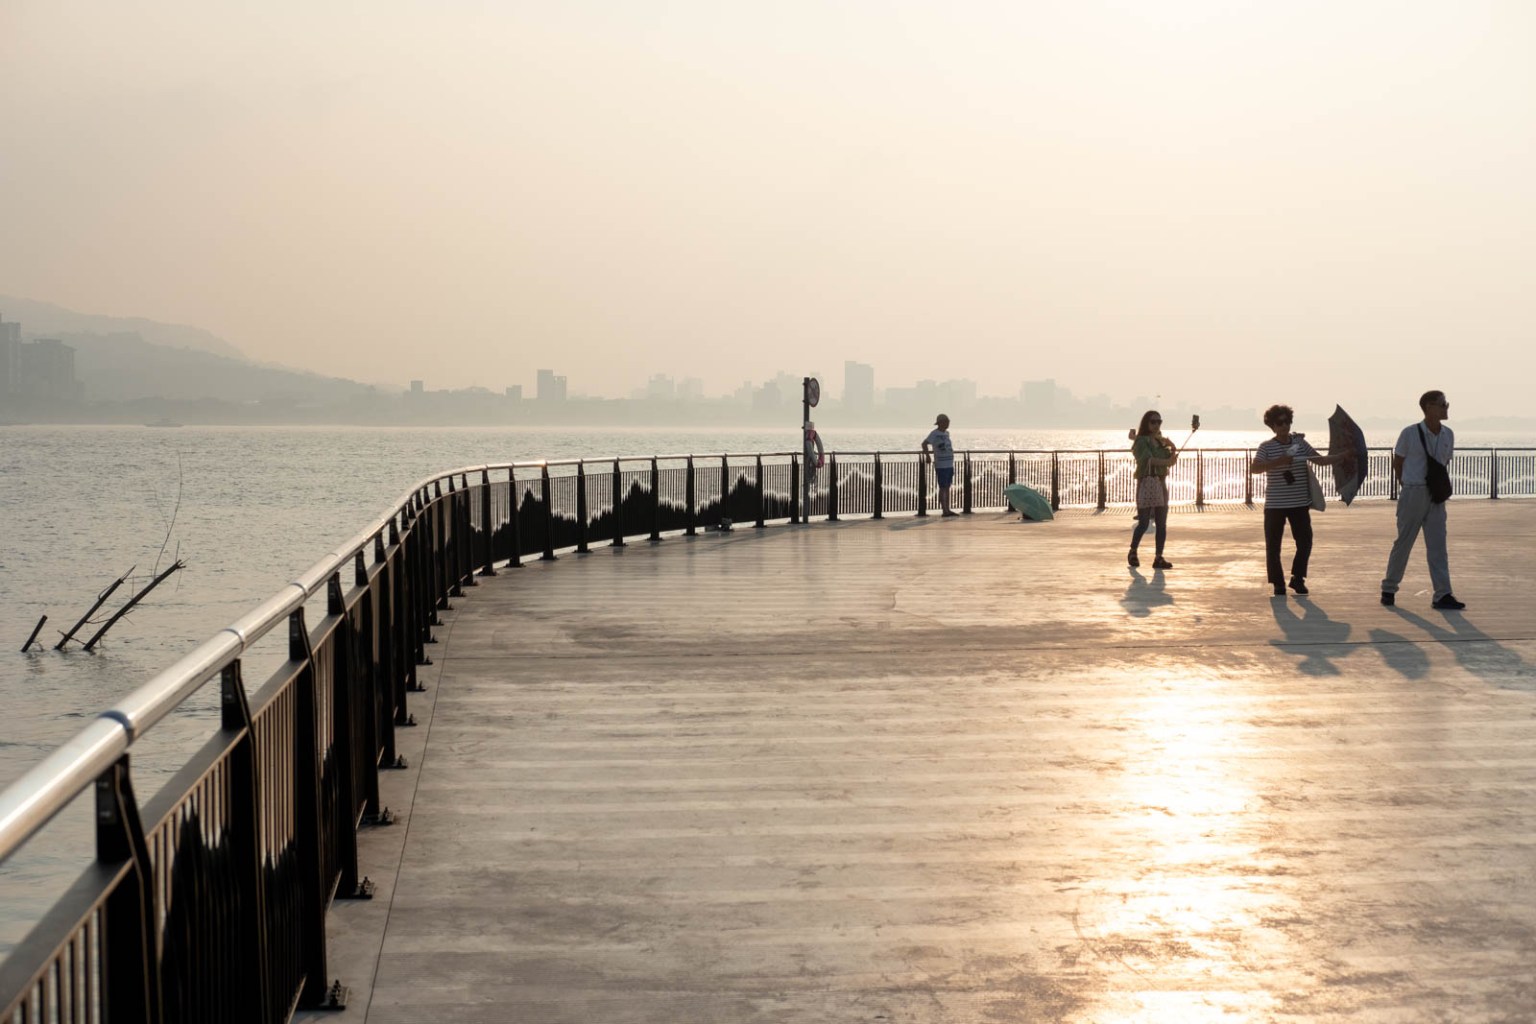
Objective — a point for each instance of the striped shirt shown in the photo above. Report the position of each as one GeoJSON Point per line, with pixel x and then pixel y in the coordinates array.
{"type": "Point", "coordinates": [1282, 493]}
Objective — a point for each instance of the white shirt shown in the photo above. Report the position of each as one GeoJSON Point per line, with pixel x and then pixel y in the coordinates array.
{"type": "Point", "coordinates": [1441, 446]}
{"type": "Point", "coordinates": [943, 451]}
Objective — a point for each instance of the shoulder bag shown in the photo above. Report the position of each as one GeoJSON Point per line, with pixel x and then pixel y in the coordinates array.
{"type": "Point", "coordinates": [1436, 476]}
{"type": "Point", "coordinates": [1315, 491]}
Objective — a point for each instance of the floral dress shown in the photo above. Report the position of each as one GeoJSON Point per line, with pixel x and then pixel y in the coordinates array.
{"type": "Point", "coordinates": [1151, 481]}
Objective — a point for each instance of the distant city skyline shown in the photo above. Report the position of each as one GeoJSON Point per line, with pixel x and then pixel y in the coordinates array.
{"type": "Point", "coordinates": [37, 378]}
{"type": "Point", "coordinates": [1304, 202]}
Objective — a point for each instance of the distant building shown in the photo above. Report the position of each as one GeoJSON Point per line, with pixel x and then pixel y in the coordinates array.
{"type": "Point", "coordinates": [48, 370]}
{"type": "Point", "coordinates": [768, 398]}
{"type": "Point", "coordinates": [690, 389]}
{"type": "Point", "coordinates": [660, 388]}
{"type": "Point", "coordinates": [858, 386]}
{"type": "Point", "coordinates": [1039, 397]}
{"type": "Point", "coordinates": [10, 356]}
{"type": "Point", "coordinates": [515, 392]}
{"type": "Point", "coordinates": [957, 394]}
{"type": "Point", "coordinates": [921, 399]}
{"type": "Point", "coordinates": [418, 387]}
{"type": "Point", "coordinates": [550, 387]}
{"type": "Point", "coordinates": [42, 369]}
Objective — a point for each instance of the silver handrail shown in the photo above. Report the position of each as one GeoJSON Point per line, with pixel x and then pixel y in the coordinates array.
{"type": "Point", "coordinates": [37, 797]}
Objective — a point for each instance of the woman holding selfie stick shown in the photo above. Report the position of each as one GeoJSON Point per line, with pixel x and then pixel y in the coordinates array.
{"type": "Point", "coordinates": [1154, 453]}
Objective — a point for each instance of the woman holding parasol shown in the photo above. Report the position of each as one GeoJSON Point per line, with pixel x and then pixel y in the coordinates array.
{"type": "Point", "coordinates": [1288, 498]}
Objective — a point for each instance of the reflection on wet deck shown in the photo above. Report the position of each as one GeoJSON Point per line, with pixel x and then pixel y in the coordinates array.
{"type": "Point", "coordinates": [969, 770]}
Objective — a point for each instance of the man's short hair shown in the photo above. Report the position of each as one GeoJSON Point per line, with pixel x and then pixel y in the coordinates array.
{"type": "Point", "coordinates": [1427, 397]}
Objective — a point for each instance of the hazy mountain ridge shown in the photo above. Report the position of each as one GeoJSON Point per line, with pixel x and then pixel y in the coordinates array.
{"type": "Point", "coordinates": [46, 320]}
{"type": "Point", "coordinates": [125, 359]}
{"type": "Point", "coordinates": [123, 367]}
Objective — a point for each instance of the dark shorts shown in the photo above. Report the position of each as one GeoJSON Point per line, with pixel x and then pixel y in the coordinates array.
{"type": "Point", "coordinates": [945, 476]}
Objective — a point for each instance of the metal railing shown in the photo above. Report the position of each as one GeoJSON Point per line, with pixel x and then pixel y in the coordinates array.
{"type": "Point", "coordinates": [209, 902]}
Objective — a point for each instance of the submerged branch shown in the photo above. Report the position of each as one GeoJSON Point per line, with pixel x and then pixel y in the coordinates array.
{"type": "Point", "coordinates": [135, 599]}
{"type": "Point", "coordinates": [101, 599]}
{"type": "Point", "coordinates": [35, 630]}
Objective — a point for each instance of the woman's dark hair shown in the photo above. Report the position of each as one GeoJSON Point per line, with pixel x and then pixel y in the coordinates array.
{"type": "Point", "coordinates": [1149, 414]}
{"type": "Point", "coordinates": [1275, 413]}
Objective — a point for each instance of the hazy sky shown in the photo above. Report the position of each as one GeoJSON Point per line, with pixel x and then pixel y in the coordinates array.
{"type": "Point", "coordinates": [1224, 202]}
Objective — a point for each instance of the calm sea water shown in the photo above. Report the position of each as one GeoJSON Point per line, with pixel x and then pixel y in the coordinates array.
{"type": "Point", "coordinates": [247, 509]}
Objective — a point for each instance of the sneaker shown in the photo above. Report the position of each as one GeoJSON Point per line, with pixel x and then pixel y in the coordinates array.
{"type": "Point", "coordinates": [949, 513]}
{"type": "Point", "coordinates": [1299, 585]}
{"type": "Point", "coordinates": [1448, 603]}
{"type": "Point", "coordinates": [1279, 589]}
{"type": "Point", "coordinates": [1388, 599]}
{"type": "Point", "coordinates": [1161, 563]}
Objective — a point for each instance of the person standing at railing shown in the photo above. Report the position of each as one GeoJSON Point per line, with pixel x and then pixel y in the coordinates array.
{"type": "Point", "coordinates": [1288, 496]}
{"type": "Point", "coordinates": [1154, 453]}
{"type": "Point", "coordinates": [1419, 507]}
{"type": "Point", "coordinates": [943, 459]}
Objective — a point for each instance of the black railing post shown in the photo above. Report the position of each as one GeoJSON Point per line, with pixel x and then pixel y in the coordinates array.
{"type": "Point", "coordinates": [794, 491]}
{"type": "Point", "coordinates": [1493, 474]}
{"type": "Point", "coordinates": [1199, 478]}
{"type": "Point", "coordinates": [1013, 469]}
{"type": "Point", "coordinates": [966, 486]}
{"type": "Point", "coordinates": [515, 500]}
{"type": "Point", "coordinates": [655, 501]}
{"type": "Point", "coordinates": [549, 515]}
{"type": "Point", "coordinates": [726, 505]}
{"type": "Point", "coordinates": [879, 512]}
{"type": "Point", "coordinates": [464, 535]}
{"type": "Point", "coordinates": [581, 507]}
{"type": "Point", "coordinates": [487, 529]}
{"type": "Point", "coordinates": [309, 829]}
{"type": "Point", "coordinates": [343, 700]}
{"type": "Point", "coordinates": [131, 942]}
{"type": "Point", "coordinates": [922, 485]}
{"type": "Point", "coordinates": [250, 938]}
{"type": "Point", "coordinates": [832, 488]}
{"type": "Point", "coordinates": [618, 505]}
{"type": "Point", "coordinates": [689, 499]}
{"type": "Point", "coordinates": [1103, 485]}
{"type": "Point", "coordinates": [439, 549]}
{"type": "Point", "coordinates": [413, 582]}
{"type": "Point", "coordinates": [1055, 482]}
{"type": "Point", "coordinates": [1247, 477]}
{"type": "Point", "coordinates": [762, 495]}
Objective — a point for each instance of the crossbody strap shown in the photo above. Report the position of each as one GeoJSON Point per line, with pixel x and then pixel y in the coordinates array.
{"type": "Point", "coordinates": [1425, 443]}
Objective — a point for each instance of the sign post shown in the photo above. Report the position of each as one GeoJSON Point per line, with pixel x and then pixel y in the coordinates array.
{"type": "Point", "coordinates": [811, 395]}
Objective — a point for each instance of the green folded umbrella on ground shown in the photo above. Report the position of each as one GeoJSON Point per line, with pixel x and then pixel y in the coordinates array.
{"type": "Point", "coordinates": [1029, 501]}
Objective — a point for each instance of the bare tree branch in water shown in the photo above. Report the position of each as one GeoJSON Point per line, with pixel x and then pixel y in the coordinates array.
{"type": "Point", "coordinates": [101, 599]}
{"type": "Point", "coordinates": [135, 599]}
{"type": "Point", "coordinates": [35, 630]}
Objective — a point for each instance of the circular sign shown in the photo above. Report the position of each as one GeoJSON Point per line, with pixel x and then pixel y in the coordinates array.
{"type": "Point", "coordinates": [812, 391]}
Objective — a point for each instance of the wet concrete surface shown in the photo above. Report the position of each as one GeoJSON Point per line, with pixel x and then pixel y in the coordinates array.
{"type": "Point", "coordinates": [968, 770]}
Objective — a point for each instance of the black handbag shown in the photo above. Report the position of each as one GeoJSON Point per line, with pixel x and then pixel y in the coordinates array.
{"type": "Point", "coordinates": [1436, 476]}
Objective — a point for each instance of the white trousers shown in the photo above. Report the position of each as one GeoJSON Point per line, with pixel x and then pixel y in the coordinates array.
{"type": "Point", "coordinates": [1416, 512]}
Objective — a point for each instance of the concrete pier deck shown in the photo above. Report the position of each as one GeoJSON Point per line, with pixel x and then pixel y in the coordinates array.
{"type": "Point", "coordinates": [968, 770]}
